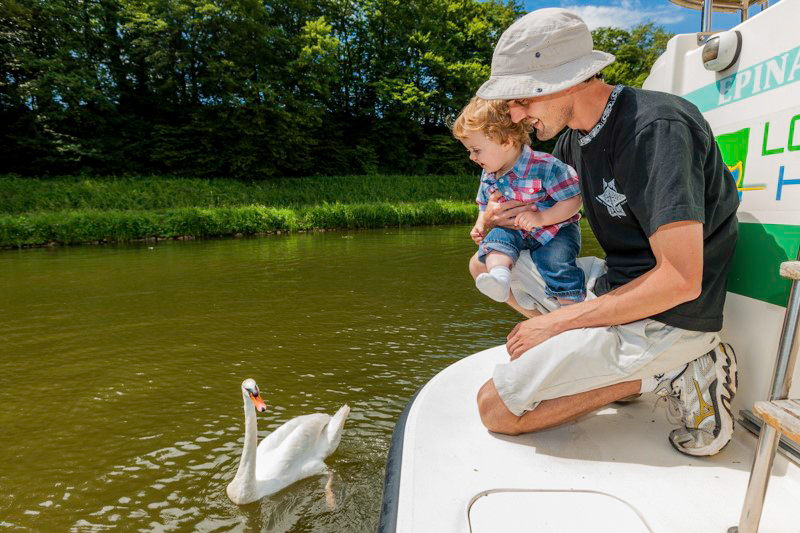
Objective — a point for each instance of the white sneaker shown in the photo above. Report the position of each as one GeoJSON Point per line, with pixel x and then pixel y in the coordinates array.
{"type": "Point", "coordinates": [699, 399]}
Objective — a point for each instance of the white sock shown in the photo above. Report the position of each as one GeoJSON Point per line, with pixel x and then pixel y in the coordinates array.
{"type": "Point", "coordinates": [650, 384]}
{"type": "Point", "coordinates": [502, 274]}
{"type": "Point", "coordinates": [496, 284]}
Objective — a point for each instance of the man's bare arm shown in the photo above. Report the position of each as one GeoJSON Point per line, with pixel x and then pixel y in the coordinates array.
{"type": "Point", "coordinates": [676, 278]}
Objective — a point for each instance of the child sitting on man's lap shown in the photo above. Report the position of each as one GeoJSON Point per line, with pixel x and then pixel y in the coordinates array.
{"type": "Point", "coordinates": [513, 171]}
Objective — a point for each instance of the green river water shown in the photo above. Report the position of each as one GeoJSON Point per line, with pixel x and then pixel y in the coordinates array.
{"type": "Point", "coordinates": [121, 368]}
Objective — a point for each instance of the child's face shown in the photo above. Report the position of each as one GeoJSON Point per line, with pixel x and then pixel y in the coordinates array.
{"type": "Point", "coordinates": [490, 155]}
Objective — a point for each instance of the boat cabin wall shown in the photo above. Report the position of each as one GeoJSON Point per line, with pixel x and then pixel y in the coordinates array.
{"type": "Point", "coordinates": [754, 110]}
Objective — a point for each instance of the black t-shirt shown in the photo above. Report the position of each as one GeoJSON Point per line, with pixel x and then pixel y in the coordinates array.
{"type": "Point", "coordinates": [652, 160]}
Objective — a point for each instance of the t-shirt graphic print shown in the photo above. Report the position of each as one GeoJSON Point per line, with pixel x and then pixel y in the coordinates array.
{"type": "Point", "coordinates": [612, 199]}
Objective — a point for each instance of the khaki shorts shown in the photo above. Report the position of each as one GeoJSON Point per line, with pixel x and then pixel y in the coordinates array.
{"type": "Point", "coordinates": [584, 359]}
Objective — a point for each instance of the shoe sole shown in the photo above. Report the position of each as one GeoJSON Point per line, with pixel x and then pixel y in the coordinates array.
{"type": "Point", "coordinates": [723, 389]}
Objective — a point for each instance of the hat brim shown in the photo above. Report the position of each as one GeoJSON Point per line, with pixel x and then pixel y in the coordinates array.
{"type": "Point", "coordinates": [542, 82]}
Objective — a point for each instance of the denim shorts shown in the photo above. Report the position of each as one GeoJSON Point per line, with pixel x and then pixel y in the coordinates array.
{"type": "Point", "coordinates": [555, 260]}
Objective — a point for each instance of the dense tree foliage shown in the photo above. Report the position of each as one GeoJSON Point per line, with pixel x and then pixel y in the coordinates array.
{"type": "Point", "coordinates": [251, 88]}
{"type": "Point", "coordinates": [636, 51]}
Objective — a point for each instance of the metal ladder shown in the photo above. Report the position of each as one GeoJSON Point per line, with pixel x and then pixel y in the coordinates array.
{"type": "Point", "coordinates": [779, 391]}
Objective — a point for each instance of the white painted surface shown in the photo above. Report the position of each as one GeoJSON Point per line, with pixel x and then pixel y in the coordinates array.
{"type": "Point", "coordinates": [766, 35]}
{"type": "Point", "coordinates": [592, 511]}
{"type": "Point", "coordinates": [753, 328]}
{"type": "Point", "coordinates": [449, 458]}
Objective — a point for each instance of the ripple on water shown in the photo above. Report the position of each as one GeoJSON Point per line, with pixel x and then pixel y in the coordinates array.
{"type": "Point", "coordinates": [142, 355]}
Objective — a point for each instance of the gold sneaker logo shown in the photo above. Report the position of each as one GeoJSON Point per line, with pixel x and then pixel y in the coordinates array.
{"type": "Point", "coordinates": [706, 410]}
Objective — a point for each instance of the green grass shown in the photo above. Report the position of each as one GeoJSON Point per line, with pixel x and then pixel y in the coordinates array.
{"type": "Point", "coordinates": [35, 212]}
{"type": "Point", "coordinates": [31, 195]}
{"type": "Point", "coordinates": [71, 227]}
{"type": "Point", "coordinates": [73, 210]}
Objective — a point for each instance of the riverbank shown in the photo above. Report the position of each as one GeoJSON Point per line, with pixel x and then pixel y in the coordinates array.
{"type": "Point", "coordinates": [39, 212]}
{"type": "Point", "coordinates": [76, 227]}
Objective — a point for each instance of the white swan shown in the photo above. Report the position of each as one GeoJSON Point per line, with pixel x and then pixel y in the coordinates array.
{"type": "Point", "coordinates": [292, 452]}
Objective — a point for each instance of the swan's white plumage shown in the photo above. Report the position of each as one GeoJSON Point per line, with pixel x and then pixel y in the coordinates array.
{"type": "Point", "coordinates": [292, 452]}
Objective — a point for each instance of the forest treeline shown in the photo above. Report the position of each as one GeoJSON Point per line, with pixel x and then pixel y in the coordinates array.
{"type": "Point", "coordinates": [253, 89]}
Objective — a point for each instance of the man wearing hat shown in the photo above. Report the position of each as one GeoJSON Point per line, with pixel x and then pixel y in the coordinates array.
{"type": "Point", "coordinates": [662, 204]}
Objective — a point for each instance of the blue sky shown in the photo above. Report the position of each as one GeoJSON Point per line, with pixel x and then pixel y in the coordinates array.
{"type": "Point", "coordinates": [627, 13]}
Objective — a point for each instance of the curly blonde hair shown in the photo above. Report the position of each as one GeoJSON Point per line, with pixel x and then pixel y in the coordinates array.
{"type": "Point", "coordinates": [493, 119]}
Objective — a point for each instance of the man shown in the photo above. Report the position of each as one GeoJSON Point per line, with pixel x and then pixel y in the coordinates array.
{"type": "Point", "coordinates": [662, 205]}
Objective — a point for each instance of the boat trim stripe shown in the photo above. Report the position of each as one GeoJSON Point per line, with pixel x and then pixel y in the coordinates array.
{"type": "Point", "coordinates": [772, 73]}
{"type": "Point", "coordinates": [759, 252]}
{"type": "Point", "coordinates": [394, 462]}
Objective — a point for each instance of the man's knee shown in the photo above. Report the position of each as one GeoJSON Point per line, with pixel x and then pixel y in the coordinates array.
{"type": "Point", "coordinates": [494, 414]}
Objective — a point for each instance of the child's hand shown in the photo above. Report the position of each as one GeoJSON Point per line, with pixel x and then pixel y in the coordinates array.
{"type": "Point", "coordinates": [477, 234]}
{"type": "Point", "coordinates": [529, 220]}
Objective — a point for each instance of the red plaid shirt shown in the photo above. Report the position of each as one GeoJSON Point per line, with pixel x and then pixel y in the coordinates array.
{"type": "Point", "coordinates": [537, 178]}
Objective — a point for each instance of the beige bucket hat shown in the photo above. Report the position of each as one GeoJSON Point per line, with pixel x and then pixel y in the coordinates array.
{"type": "Point", "coordinates": [545, 51]}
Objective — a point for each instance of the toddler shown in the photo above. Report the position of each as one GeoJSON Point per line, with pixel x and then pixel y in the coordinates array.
{"type": "Point", "coordinates": [549, 188]}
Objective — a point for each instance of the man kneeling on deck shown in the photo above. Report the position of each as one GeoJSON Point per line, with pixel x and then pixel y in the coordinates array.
{"type": "Point", "coordinates": [662, 204]}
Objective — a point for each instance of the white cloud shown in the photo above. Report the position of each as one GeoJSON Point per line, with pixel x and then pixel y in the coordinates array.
{"type": "Point", "coordinates": [626, 14]}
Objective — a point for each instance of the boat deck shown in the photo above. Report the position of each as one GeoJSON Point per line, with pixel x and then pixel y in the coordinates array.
{"type": "Point", "coordinates": [613, 470]}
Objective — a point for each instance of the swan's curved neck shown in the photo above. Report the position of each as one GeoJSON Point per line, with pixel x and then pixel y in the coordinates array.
{"type": "Point", "coordinates": [247, 464]}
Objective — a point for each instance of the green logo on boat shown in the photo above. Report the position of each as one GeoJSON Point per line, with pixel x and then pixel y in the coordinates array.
{"type": "Point", "coordinates": [734, 153]}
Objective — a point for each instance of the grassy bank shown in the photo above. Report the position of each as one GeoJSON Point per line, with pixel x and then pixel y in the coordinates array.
{"type": "Point", "coordinates": [71, 210]}
{"type": "Point", "coordinates": [26, 195]}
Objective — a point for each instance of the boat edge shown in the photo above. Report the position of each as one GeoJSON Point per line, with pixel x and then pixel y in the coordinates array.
{"type": "Point", "coordinates": [394, 463]}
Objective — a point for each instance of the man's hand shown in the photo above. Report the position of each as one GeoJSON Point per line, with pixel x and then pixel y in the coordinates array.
{"type": "Point", "coordinates": [477, 233]}
{"type": "Point", "coordinates": [530, 333]}
{"type": "Point", "coordinates": [497, 196]}
{"type": "Point", "coordinates": [529, 220]}
{"type": "Point", "coordinates": [503, 214]}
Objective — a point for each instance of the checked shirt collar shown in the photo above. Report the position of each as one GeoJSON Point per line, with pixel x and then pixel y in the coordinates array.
{"type": "Point", "coordinates": [521, 167]}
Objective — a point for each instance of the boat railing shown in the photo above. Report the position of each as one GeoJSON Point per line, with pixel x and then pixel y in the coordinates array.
{"type": "Point", "coordinates": [721, 6]}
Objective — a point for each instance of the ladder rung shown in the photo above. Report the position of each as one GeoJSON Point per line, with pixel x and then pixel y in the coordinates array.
{"type": "Point", "coordinates": [783, 415]}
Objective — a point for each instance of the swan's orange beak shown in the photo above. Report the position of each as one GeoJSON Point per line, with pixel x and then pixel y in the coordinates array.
{"type": "Point", "coordinates": [259, 403]}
